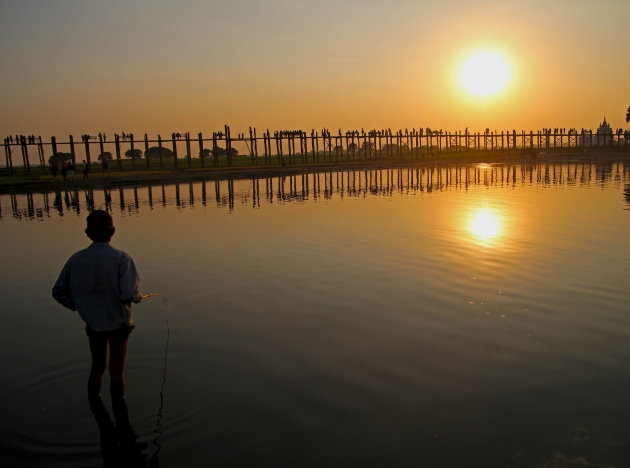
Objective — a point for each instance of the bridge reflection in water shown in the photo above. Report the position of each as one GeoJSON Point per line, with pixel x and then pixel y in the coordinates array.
{"type": "Point", "coordinates": [302, 187]}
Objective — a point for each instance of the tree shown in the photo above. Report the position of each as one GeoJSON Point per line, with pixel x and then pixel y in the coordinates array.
{"type": "Point", "coordinates": [134, 153]}
{"type": "Point", "coordinates": [217, 152]}
{"type": "Point", "coordinates": [352, 147]}
{"type": "Point", "coordinates": [628, 115]}
{"type": "Point", "coordinates": [155, 152]}
{"type": "Point", "coordinates": [59, 158]}
{"type": "Point", "coordinates": [205, 153]}
{"type": "Point", "coordinates": [106, 156]}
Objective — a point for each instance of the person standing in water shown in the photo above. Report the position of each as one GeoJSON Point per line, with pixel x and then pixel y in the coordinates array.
{"type": "Point", "coordinates": [101, 283]}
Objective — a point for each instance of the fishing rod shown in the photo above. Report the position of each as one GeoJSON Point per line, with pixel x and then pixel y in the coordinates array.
{"type": "Point", "coordinates": [152, 294]}
{"type": "Point", "coordinates": [158, 422]}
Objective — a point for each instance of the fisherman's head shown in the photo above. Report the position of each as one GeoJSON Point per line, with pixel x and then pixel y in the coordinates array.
{"type": "Point", "coordinates": [100, 226]}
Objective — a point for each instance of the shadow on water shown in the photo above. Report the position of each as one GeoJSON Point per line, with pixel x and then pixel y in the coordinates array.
{"type": "Point", "coordinates": [119, 445]}
{"type": "Point", "coordinates": [325, 185]}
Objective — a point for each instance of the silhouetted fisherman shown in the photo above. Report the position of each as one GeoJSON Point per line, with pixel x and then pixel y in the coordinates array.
{"type": "Point", "coordinates": [101, 282]}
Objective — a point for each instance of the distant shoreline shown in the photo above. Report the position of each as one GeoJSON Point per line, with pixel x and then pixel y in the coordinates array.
{"type": "Point", "coordinates": [99, 180]}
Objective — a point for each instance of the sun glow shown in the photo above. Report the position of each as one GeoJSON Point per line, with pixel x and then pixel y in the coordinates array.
{"type": "Point", "coordinates": [485, 225]}
{"type": "Point", "coordinates": [484, 73]}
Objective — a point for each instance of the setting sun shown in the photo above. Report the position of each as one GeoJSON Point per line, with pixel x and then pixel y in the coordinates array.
{"type": "Point", "coordinates": [484, 73]}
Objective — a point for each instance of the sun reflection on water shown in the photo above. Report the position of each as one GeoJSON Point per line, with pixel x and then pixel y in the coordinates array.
{"type": "Point", "coordinates": [486, 225]}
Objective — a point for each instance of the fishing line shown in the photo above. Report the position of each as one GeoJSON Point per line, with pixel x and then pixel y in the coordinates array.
{"type": "Point", "coordinates": [158, 416]}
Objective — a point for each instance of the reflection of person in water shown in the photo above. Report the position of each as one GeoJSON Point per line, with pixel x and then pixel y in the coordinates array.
{"type": "Point", "coordinates": [118, 442]}
{"type": "Point", "coordinates": [101, 282]}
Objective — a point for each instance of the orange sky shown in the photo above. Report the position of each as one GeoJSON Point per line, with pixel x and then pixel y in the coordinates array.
{"type": "Point", "coordinates": [148, 67]}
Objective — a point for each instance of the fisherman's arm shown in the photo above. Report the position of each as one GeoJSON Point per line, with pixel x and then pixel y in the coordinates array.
{"type": "Point", "coordinates": [129, 281]}
{"type": "Point", "coordinates": [61, 289]}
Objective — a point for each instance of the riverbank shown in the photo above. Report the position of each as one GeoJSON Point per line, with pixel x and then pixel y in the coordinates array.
{"type": "Point", "coordinates": [39, 182]}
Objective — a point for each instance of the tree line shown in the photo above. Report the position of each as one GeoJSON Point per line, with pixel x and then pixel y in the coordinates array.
{"type": "Point", "coordinates": [154, 152]}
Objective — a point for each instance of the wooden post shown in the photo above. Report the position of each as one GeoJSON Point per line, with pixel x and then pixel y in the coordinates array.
{"type": "Point", "coordinates": [40, 150]}
{"type": "Point", "coordinates": [174, 150]}
{"type": "Point", "coordinates": [228, 145]}
{"type": "Point", "coordinates": [278, 136]}
{"type": "Point", "coordinates": [7, 154]}
{"type": "Point", "coordinates": [146, 150]}
{"type": "Point", "coordinates": [188, 155]}
{"type": "Point", "coordinates": [265, 152]}
{"type": "Point", "coordinates": [251, 144]}
{"type": "Point", "coordinates": [354, 145]}
{"type": "Point", "coordinates": [161, 155]}
{"type": "Point", "coordinates": [255, 146]}
{"type": "Point", "coordinates": [88, 159]}
{"type": "Point", "coordinates": [132, 148]}
{"type": "Point", "coordinates": [74, 158]}
{"type": "Point", "coordinates": [313, 143]}
{"type": "Point", "coordinates": [329, 145]}
{"type": "Point", "coordinates": [413, 147]}
{"type": "Point", "coordinates": [301, 135]}
{"type": "Point", "coordinates": [289, 137]}
{"type": "Point", "coordinates": [53, 144]}
{"type": "Point", "coordinates": [117, 145]}
{"type": "Point", "coordinates": [101, 146]}
{"type": "Point", "coordinates": [201, 154]}
{"type": "Point", "coordinates": [27, 164]}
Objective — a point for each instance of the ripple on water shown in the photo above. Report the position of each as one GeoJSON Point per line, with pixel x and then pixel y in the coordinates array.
{"type": "Point", "coordinates": [49, 420]}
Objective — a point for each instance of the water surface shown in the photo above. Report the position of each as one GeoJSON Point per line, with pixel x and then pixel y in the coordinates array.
{"type": "Point", "coordinates": [446, 316]}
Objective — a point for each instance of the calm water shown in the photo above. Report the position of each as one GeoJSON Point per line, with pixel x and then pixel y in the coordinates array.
{"type": "Point", "coordinates": [448, 317]}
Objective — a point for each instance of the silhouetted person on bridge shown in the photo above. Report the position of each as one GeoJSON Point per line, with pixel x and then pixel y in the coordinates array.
{"type": "Point", "coordinates": [101, 282]}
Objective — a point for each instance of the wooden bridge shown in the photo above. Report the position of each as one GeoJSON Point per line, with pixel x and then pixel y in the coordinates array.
{"type": "Point", "coordinates": [283, 147]}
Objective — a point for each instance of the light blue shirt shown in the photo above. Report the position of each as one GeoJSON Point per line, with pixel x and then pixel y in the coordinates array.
{"type": "Point", "coordinates": [100, 282]}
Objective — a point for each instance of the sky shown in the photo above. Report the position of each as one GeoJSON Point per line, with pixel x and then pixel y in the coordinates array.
{"type": "Point", "coordinates": [160, 66]}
